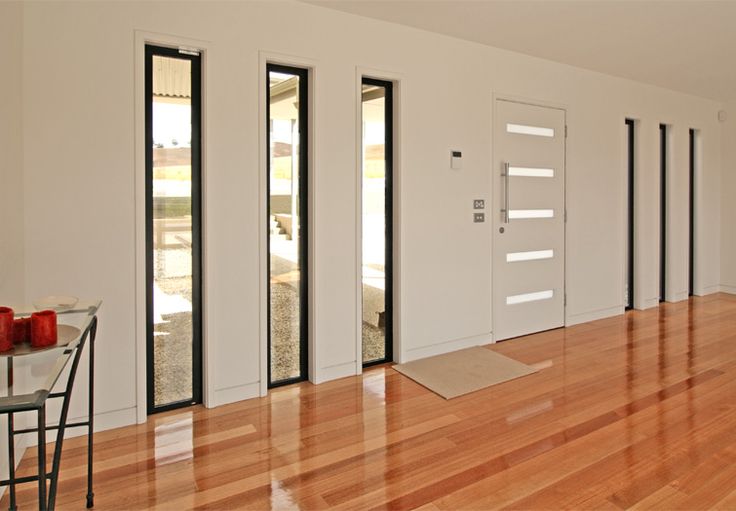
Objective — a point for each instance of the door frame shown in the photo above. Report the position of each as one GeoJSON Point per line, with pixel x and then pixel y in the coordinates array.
{"type": "Point", "coordinates": [514, 98]}
{"type": "Point", "coordinates": [139, 413]}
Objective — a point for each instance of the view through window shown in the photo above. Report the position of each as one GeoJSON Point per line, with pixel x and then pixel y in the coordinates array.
{"type": "Point", "coordinates": [376, 218]}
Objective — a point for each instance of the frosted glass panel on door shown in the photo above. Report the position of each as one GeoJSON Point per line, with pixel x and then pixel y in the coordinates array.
{"type": "Point", "coordinates": [531, 172]}
{"type": "Point", "coordinates": [521, 129]}
{"type": "Point", "coordinates": [529, 297]}
{"type": "Point", "coordinates": [531, 255]}
{"type": "Point", "coordinates": [520, 214]}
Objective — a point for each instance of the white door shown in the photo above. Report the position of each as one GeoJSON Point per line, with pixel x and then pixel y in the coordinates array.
{"type": "Point", "coordinates": [528, 219]}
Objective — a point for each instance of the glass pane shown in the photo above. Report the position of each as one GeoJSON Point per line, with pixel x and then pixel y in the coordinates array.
{"type": "Point", "coordinates": [529, 297]}
{"type": "Point", "coordinates": [531, 172]}
{"type": "Point", "coordinates": [374, 223]}
{"type": "Point", "coordinates": [532, 255]}
{"type": "Point", "coordinates": [285, 277]}
{"type": "Point", "coordinates": [522, 129]}
{"type": "Point", "coordinates": [172, 230]}
{"type": "Point", "coordinates": [516, 214]}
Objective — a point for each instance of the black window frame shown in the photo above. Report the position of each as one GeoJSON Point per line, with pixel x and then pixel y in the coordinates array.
{"type": "Point", "coordinates": [691, 248]}
{"type": "Point", "coordinates": [631, 173]}
{"type": "Point", "coordinates": [196, 179]}
{"type": "Point", "coordinates": [304, 178]}
{"type": "Point", "coordinates": [663, 212]}
{"type": "Point", "coordinates": [389, 216]}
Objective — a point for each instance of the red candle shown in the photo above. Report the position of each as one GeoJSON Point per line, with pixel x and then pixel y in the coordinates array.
{"type": "Point", "coordinates": [6, 328]}
{"type": "Point", "coordinates": [43, 329]}
{"type": "Point", "coordinates": [21, 330]}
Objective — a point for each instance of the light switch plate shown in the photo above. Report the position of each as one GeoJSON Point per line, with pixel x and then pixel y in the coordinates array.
{"type": "Point", "coordinates": [456, 160]}
{"type": "Point", "coordinates": [479, 218]}
{"type": "Point", "coordinates": [479, 204]}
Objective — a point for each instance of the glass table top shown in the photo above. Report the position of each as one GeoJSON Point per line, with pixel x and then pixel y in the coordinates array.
{"type": "Point", "coordinates": [29, 375]}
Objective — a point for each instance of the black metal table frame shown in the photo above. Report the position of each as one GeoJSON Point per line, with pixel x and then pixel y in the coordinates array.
{"type": "Point", "coordinates": [47, 497]}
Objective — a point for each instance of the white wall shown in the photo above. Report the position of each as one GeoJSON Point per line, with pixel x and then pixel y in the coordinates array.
{"type": "Point", "coordinates": [728, 204]}
{"type": "Point", "coordinates": [80, 140]}
{"type": "Point", "coordinates": [11, 156]}
{"type": "Point", "coordinates": [11, 178]}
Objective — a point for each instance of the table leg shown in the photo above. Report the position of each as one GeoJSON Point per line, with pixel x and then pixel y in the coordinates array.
{"type": "Point", "coordinates": [42, 458]}
{"type": "Point", "coordinates": [56, 463]}
{"type": "Point", "coordinates": [11, 443]}
{"type": "Point", "coordinates": [91, 414]}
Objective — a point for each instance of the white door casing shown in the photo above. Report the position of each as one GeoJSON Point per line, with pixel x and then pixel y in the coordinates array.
{"type": "Point", "coordinates": [528, 219]}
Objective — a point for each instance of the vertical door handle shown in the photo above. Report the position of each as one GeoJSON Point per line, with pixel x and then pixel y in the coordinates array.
{"type": "Point", "coordinates": [506, 206]}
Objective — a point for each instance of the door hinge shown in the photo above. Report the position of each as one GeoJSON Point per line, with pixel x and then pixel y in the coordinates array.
{"type": "Point", "coordinates": [564, 300]}
{"type": "Point", "coordinates": [565, 130]}
{"type": "Point", "coordinates": [566, 216]}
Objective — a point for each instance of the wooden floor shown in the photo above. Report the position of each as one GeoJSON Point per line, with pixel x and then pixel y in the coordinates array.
{"type": "Point", "coordinates": [637, 411]}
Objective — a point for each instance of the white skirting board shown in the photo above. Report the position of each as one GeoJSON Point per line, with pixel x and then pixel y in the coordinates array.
{"type": "Point", "coordinates": [446, 347]}
{"type": "Point", "coordinates": [678, 296]}
{"type": "Point", "coordinates": [728, 289]}
{"type": "Point", "coordinates": [334, 372]}
{"type": "Point", "coordinates": [103, 422]}
{"type": "Point", "coordinates": [235, 394]}
{"type": "Point", "coordinates": [585, 317]}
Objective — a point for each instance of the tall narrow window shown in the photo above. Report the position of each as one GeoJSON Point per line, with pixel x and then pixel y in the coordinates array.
{"type": "Point", "coordinates": [630, 158]}
{"type": "Point", "coordinates": [377, 253]}
{"type": "Point", "coordinates": [691, 262]}
{"type": "Point", "coordinates": [287, 116]}
{"type": "Point", "coordinates": [173, 227]}
{"type": "Point", "coordinates": [662, 212]}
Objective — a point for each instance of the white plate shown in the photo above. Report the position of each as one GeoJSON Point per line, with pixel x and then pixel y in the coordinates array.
{"type": "Point", "coordinates": [55, 303]}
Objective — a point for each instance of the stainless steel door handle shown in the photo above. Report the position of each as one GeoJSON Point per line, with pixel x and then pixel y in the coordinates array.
{"type": "Point", "coordinates": [505, 209]}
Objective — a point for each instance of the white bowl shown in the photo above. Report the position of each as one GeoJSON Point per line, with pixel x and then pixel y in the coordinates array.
{"type": "Point", "coordinates": [55, 303]}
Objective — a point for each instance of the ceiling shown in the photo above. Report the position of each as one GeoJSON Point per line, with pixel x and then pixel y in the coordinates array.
{"type": "Point", "coordinates": [683, 45]}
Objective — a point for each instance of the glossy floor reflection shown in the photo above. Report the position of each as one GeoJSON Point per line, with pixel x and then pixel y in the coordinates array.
{"type": "Point", "coordinates": [631, 411]}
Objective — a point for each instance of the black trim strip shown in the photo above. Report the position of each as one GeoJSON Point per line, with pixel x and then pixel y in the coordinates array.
{"type": "Point", "coordinates": [691, 276]}
{"type": "Point", "coordinates": [662, 212]}
{"type": "Point", "coordinates": [631, 137]}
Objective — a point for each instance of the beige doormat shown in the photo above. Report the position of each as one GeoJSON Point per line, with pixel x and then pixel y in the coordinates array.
{"type": "Point", "coordinates": [461, 372]}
